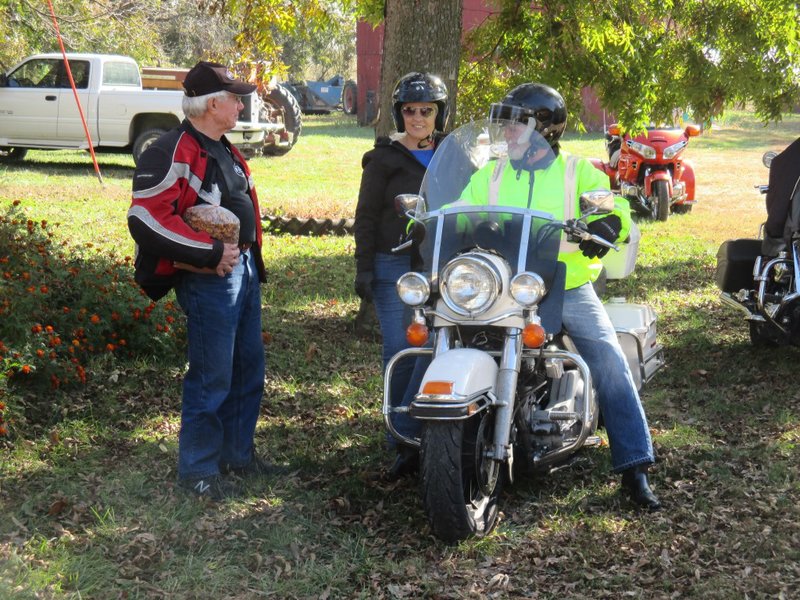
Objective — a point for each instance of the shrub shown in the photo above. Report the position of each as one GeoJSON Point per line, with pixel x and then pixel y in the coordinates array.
{"type": "Point", "coordinates": [65, 304]}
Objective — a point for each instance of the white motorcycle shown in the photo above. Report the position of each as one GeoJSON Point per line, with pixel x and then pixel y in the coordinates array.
{"type": "Point", "coordinates": [506, 392]}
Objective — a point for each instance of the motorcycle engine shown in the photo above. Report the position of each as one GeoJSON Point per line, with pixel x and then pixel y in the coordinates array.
{"type": "Point", "coordinates": [552, 409]}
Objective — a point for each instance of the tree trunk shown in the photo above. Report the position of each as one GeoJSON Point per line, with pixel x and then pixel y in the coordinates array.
{"type": "Point", "coordinates": [419, 35]}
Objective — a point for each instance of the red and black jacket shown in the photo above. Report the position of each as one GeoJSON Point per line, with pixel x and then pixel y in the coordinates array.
{"type": "Point", "coordinates": [177, 172]}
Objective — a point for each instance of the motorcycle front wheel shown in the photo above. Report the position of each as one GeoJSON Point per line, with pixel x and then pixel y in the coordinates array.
{"type": "Point", "coordinates": [661, 194]}
{"type": "Point", "coordinates": [461, 485]}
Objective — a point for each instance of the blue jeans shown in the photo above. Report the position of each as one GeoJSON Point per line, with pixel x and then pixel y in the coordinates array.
{"type": "Point", "coordinates": [223, 387]}
{"type": "Point", "coordinates": [394, 317]}
{"type": "Point", "coordinates": [588, 325]}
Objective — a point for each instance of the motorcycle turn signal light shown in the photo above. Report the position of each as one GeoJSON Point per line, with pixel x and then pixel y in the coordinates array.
{"type": "Point", "coordinates": [533, 335]}
{"type": "Point", "coordinates": [438, 388]}
{"type": "Point", "coordinates": [417, 334]}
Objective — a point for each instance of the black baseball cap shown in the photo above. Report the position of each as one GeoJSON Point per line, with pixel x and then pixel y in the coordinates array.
{"type": "Point", "coordinates": [209, 77]}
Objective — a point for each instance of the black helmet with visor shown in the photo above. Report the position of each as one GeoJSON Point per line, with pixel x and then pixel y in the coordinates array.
{"type": "Point", "coordinates": [419, 87]}
{"type": "Point", "coordinates": [534, 101]}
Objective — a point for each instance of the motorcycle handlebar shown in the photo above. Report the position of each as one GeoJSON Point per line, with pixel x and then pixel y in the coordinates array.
{"type": "Point", "coordinates": [577, 230]}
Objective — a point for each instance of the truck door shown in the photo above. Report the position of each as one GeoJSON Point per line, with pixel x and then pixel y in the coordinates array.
{"type": "Point", "coordinates": [70, 126]}
{"type": "Point", "coordinates": [29, 103]}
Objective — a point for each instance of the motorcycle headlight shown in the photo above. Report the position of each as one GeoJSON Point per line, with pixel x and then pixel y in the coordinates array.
{"type": "Point", "coordinates": [527, 289]}
{"type": "Point", "coordinates": [413, 289]}
{"type": "Point", "coordinates": [671, 151]}
{"type": "Point", "coordinates": [643, 149]}
{"type": "Point", "coordinates": [470, 285]}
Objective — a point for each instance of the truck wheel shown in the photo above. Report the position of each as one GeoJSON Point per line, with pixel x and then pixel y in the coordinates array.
{"type": "Point", "coordinates": [281, 106]}
{"type": "Point", "coordinates": [350, 98]}
{"type": "Point", "coordinates": [11, 154]}
{"type": "Point", "coordinates": [144, 140]}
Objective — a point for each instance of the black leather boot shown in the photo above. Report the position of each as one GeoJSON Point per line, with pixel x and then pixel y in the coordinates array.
{"type": "Point", "coordinates": [634, 480]}
{"type": "Point", "coordinates": [406, 463]}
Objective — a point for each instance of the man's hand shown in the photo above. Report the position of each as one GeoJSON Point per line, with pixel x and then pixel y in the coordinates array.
{"type": "Point", "coordinates": [363, 285]}
{"type": "Point", "coordinates": [607, 228]}
{"type": "Point", "coordinates": [230, 258]}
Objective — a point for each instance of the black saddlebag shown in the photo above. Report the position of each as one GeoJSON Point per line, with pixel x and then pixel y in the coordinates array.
{"type": "Point", "coordinates": [735, 260]}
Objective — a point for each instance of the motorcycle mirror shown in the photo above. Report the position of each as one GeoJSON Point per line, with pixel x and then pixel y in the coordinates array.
{"type": "Point", "coordinates": [409, 203]}
{"type": "Point", "coordinates": [597, 201]}
{"type": "Point", "coordinates": [692, 130]}
{"type": "Point", "coordinates": [613, 129]}
{"type": "Point", "coordinates": [767, 158]}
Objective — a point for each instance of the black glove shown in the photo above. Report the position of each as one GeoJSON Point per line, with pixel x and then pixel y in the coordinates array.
{"type": "Point", "coordinates": [363, 285]}
{"type": "Point", "coordinates": [607, 228]}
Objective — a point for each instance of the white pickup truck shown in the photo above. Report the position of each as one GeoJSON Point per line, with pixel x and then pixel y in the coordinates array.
{"type": "Point", "coordinates": [38, 108]}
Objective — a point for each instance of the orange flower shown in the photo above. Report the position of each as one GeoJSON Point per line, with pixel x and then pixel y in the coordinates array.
{"type": "Point", "coordinates": [49, 329]}
{"type": "Point", "coordinates": [36, 328]}
{"type": "Point", "coordinates": [3, 429]}
{"type": "Point", "coordinates": [26, 369]}
{"type": "Point", "coordinates": [43, 289]}
{"type": "Point", "coordinates": [40, 353]}
{"type": "Point", "coordinates": [95, 319]}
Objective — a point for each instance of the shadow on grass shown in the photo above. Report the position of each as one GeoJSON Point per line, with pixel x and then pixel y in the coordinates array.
{"type": "Point", "coordinates": [71, 164]}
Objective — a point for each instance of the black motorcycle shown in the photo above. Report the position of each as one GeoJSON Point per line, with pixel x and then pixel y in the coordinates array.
{"type": "Point", "coordinates": [760, 276]}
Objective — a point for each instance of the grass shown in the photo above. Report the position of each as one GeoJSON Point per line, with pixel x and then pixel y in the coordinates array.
{"type": "Point", "coordinates": [88, 493]}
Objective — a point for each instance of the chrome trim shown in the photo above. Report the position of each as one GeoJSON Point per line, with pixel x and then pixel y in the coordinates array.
{"type": "Point", "coordinates": [459, 319]}
{"type": "Point", "coordinates": [387, 408]}
{"type": "Point", "coordinates": [728, 299]}
{"type": "Point", "coordinates": [587, 418]}
{"type": "Point", "coordinates": [523, 248]}
{"type": "Point", "coordinates": [436, 252]}
{"type": "Point", "coordinates": [658, 356]}
{"type": "Point", "coordinates": [763, 279]}
{"type": "Point", "coordinates": [506, 392]}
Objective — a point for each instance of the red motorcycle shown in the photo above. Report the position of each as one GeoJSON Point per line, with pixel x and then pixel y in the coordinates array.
{"type": "Point", "coordinates": [649, 170]}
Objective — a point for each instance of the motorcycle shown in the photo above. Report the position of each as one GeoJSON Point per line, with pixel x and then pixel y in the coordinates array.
{"type": "Point", "coordinates": [759, 276]}
{"type": "Point", "coordinates": [506, 392]}
{"type": "Point", "coordinates": [648, 169]}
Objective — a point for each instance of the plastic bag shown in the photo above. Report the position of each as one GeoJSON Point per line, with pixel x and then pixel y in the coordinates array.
{"type": "Point", "coordinates": [216, 221]}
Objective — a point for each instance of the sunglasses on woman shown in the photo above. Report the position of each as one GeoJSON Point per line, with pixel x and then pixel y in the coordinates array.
{"type": "Point", "coordinates": [424, 111]}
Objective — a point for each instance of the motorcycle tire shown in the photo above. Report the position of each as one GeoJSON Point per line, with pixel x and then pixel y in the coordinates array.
{"type": "Point", "coordinates": [460, 485]}
{"type": "Point", "coordinates": [661, 195]}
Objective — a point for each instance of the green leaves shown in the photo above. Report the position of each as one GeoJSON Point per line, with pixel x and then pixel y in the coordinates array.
{"type": "Point", "coordinates": [647, 61]}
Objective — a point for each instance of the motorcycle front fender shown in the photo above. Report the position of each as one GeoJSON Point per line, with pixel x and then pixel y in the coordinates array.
{"type": "Point", "coordinates": [653, 176]}
{"type": "Point", "coordinates": [457, 384]}
{"type": "Point", "coordinates": [687, 177]}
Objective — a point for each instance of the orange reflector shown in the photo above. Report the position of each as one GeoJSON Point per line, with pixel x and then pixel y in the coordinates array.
{"type": "Point", "coordinates": [438, 388]}
{"type": "Point", "coordinates": [533, 335]}
{"type": "Point", "coordinates": [417, 334]}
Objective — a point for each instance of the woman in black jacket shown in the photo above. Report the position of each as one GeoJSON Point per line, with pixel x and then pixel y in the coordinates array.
{"type": "Point", "coordinates": [395, 166]}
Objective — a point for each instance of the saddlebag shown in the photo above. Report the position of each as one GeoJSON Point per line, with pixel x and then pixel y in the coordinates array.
{"type": "Point", "coordinates": [620, 264]}
{"type": "Point", "coordinates": [735, 259]}
{"type": "Point", "coordinates": [635, 325]}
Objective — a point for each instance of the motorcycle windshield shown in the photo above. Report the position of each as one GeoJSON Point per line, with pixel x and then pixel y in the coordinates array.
{"type": "Point", "coordinates": [463, 213]}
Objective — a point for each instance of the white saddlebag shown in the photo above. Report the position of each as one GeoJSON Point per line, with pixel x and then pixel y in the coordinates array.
{"type": "Point", "coordinates": [635, 325]}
